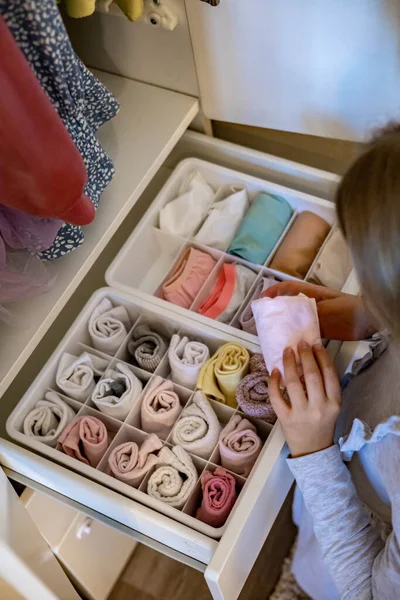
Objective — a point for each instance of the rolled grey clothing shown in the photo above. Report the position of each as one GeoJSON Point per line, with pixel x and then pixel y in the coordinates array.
{"type": "Point", "coordinates": [362, 566]}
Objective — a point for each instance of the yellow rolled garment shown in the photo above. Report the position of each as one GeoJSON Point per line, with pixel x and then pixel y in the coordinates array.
{"type": "Point", "coordinates": [132, 9]}
{"type": "Point", "coordinates": [222, 373]}
{"type": "Point", "coordinates": [80, 8]}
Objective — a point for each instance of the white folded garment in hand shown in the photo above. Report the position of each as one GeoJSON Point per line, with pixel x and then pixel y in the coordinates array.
{"type": "Point", "coordinates": [186, 359]}
{"type": "Point", "coordinates": [76, 374]}
{"type": "Point", "coordinates": [175, 479]}
{"type": "Point", "coordinates": [48, 419]}
{"type": "Point", "coordinates": [108, 326]}
{"type": "Point", "coordinates": [116, 394]}
{"type": "Point", "coordinates": [183, 215]}
{"type": "Point", "coordinates": [197, 429]}
{"type": "Point", "coordinates": [284, 322]}
{"type": "Point", "coordinates": [219, 229]}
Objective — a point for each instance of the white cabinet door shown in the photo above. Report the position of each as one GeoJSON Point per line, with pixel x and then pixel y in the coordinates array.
{"type": "Point", "coordinates": [27, 564]}
{"type": "Point", "coordinates": [320, 67]}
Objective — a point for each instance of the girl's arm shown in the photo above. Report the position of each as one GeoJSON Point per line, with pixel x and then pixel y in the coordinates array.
{"type": "Point", "coordinates": [361, 565]}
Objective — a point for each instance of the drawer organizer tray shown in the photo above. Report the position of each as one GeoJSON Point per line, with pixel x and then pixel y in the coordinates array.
{"type": "Point", "coordinates": [77, 341]}
{"type": "Point", "coordinates": [149, 254]}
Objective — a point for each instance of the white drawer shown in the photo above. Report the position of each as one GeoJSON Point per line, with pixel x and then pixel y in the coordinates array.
{"type": "Point", "coordinates": [227, 561]}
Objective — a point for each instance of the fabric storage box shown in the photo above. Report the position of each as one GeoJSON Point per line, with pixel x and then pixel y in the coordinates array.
{"type": "Point", "coordinates": [77, 341]}
{"type": "Point", "coordinates": [156, 252]}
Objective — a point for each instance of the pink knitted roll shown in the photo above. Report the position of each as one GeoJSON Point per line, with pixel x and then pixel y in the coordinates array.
{"type": "Point", "coordinates": [129, 463]}
{"type": "Point", "coordinates": [86, 439]}
{"type": "Point", "coordinates": [219, 496]}
{"type": "Point", "coordinates": [239, 446]}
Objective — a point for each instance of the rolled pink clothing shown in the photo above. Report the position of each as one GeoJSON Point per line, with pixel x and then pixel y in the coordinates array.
{"type": "Point", "coordinates": [219, 497]}
{"type": "Point", "coordinates": [257, 364]}
{"type": "Point", "coordinates": [160, 407]}
{"type": "Point", "coordinates": [239, 446]}
{"type": "Point", "coordinates": [284, 322]}
{"type": "Point", "coordinates": [129, 463]}
{"type": "Point", "coordinates": [187, 277]}
{"type": "Point", "coordinates": [86, 439]}
{"type": "Point", "coordinates": [253, 398]}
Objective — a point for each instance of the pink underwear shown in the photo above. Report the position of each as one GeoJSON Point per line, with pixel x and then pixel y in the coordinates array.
{"type": "Point", "coordinates": [187, 277]}
{"type": "Point", "coordinates": [221, 294]}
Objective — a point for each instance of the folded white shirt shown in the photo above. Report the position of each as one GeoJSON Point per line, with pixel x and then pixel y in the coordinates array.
{"type": "Point", "coordinates": [108, 326]}
{"type": "Point", "coordinates": [222, 222]}
{"type": "Point", "coordinates": [76, 374]}
{"type": "Point", "coordinates": [183, 215]}
{"type": "Point", "coordinates": [116, 394]}
{"type": "Point", "coordinates": [334, 264]}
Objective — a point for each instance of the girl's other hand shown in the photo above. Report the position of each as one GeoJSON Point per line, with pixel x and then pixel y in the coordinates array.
{"type": "Point", "coordinates": [341, 316]}
{"type": "Point", "coordinates": [308, 423]}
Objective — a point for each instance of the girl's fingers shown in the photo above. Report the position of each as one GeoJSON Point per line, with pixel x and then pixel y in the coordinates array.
{"type": "Point", "coordinates": [329, 374]}
{"type": "Point", "coordinates": [312, 375]}
{"type": "Point", "coordinates": [275, 395]}
{"type": "Point", "coordinates": [293, 384]}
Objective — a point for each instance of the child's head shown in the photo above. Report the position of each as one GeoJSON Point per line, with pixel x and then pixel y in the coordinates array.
{"type": "Point", "coordinates": [368, 206]}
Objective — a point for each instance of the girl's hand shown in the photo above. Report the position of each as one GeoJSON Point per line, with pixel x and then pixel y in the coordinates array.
{"type": "Point", "coordinates": [309, 421]}
{"type": "Point", "coordinates": [341, 316]}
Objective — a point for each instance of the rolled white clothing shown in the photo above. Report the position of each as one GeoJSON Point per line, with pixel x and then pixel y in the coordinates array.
{"type": "Point", "coordinates": [222, 222]}
{"type": "Point", "coordinates": [333, 265]}
{"type": "Point", "coordinates": [197, 429]}
{"type": "Point", "coordinates": [284, 322]}
{"type": "Point", "coordinates": [48, 419]}
{"type": "Point", "coordinates": [108, 326]}
{"type": "Point", "coordinates": [183, 215]}
{"type": "Point", "coordinates": [76, 374]}
{"type": "Point", "coordinates": [176, 478]}
{"type": "Point", "coordinates": [116, 394]}
{"type": "Point", "coordinates": [186, 359]}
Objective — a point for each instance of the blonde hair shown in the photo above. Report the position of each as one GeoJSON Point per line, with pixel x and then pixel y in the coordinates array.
{"type": "Point", "coordinates": [368, 207]}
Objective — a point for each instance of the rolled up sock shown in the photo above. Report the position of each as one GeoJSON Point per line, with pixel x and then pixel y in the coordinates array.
{"type": "Point", "coordinates": [48, 419]}
{"type": "Point", "coordinates": [77, 375]}
{"type": "Point", "coordinates": [188, 277]}
{"type": "Point", "coordinates": [257, 364]}
{"type": "Point", "coordinates": [183, 215]}
{"type": "Point", "coordinates": [333, 265]}
{"type": "Point", "coordinates": [129, 463]}
{"type": "Point", "coordinates": [246, 319]}
{"type": "Point", "coordinates": [239, 446]}
{"type": "Point", "coordinates": [253, 397]}
{"type": "Point", "coordinates": [108, 326]}
{"type": "Point", "coordinates": [160, 407]}
{"type": "Point", "coordinates": [222, 373]}
{"type": "Point", "coordinates": [116, 394]}
{"type": "Point", "coordinates": [302, 242]}
{"type": "Point", "coordinates": [261, 228]}
{"type": "Point", "coordinates": [86, 439]}
{"type": "Point", "coordinates": [219, 497]}
{"type": "Point", "coordinates": [147, 347]}
{"type": "Point", "coordinates": [224, 218]}
{"type": "Point", "coordinates": [197, 429]}
{"type": "Point", "coordinates": [186, 359]}
{"type": "Point", "coordinates": [230, 290]}
{"type": "Point", "coordinates": [284, 322]}
{"type": "Point", "coordinates": [174, 481]}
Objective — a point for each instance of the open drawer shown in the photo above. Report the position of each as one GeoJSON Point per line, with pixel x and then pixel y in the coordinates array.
{"type": "Point", "coordinates": [226, 561]}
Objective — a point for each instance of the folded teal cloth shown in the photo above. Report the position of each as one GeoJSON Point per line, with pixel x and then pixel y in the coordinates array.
{"type": "Point", "coordinates": [261, 228]}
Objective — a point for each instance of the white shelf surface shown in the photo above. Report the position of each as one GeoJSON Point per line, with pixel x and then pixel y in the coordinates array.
{"type": "Point", "coordinates": [150, 122]}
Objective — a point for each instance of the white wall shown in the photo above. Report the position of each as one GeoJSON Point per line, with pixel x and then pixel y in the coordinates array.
{"type": "Point", "coordinates": [136, 50]}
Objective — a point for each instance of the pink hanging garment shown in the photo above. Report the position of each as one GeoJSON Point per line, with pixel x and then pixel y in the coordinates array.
{"type": "Point", "coordinates": [41, 170]}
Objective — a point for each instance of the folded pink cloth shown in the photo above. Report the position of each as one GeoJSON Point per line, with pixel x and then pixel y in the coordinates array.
{"type": "Point", "coordinates": [219, 497]}
{"type": "Point", "coordinates": [160, 407]}
{"type": "Point", "coordinates": [239, 446]}
{"type": "Point", "coordinates": [129, 463]}
{"type": "Point", "coordinates": [187, 277]}
{"type": "Point", "coordinates": [86, 439]}
{"type": "Point", "coordinates": [252, 392]}
{"type": "Point", "coordinates": [284, 322]}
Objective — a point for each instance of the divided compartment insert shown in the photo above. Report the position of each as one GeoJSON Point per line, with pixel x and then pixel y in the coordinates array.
{"type": "Point", "coordinates": [76, 339]}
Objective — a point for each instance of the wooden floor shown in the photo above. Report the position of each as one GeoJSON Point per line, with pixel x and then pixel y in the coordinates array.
{"type": "Point", "coordinates": [153, 576]}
